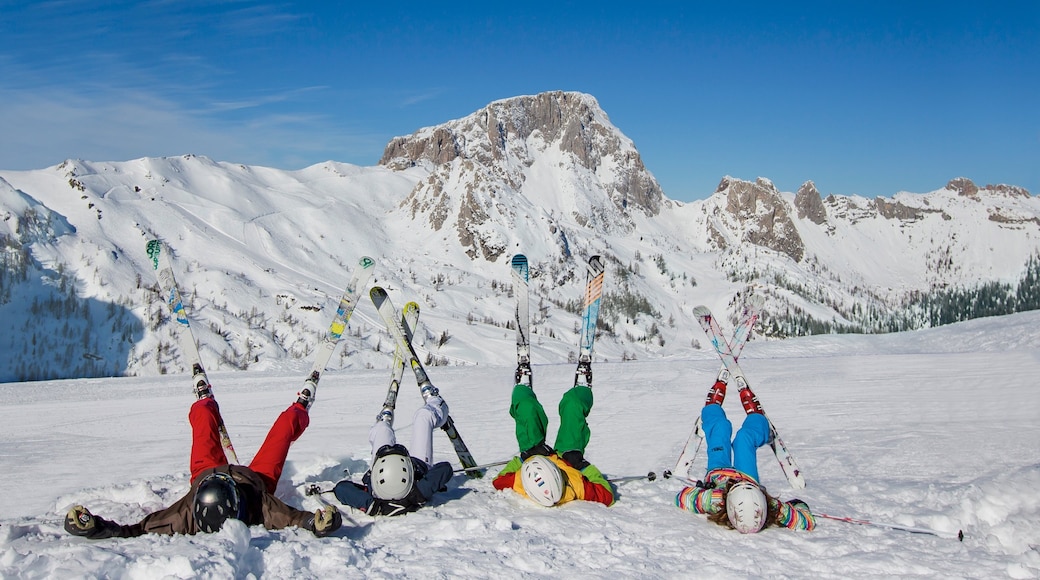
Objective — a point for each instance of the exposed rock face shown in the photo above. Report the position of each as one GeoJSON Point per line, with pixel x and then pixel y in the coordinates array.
{"type": "Point", "coordinates": [809, 205]}
{"type": "Point", "coordinates": [963, 186]}
{"type": "Point", "coordinates": [440, 147]}
{"type": "Point", "coordinates": [895, 210]}
{"type": "Point", "coordinates": [762, 215]}
{"type": "Point", "coordinates": [966, 187]}
{"type": "Point", "coordinates": [1007, 190]}
{"type": "Point", "coordinates": [480, 161]}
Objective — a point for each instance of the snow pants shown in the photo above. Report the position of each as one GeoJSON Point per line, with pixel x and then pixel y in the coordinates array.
{"type": "Point", "coordinates": [740, 454]}
{"type": "Point", "coordinates": [531, 422]}
{"type": "Point", "coordinates": [206, 451]}
{"type": "Point", "coordinates": [430, 416]}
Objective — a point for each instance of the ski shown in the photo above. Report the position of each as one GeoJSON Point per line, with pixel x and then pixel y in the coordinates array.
{"type": "Point", "coordinates": [358, 281]}
{"type": "Point", "coordinates": [409, 320]}
{"type": "Point", "coordinates": [741, 336]}
{"type": "Point", "coordinates": [522, 319]}
{"type": "Point", "coordinates": [590, 315]}
{"type": "Point", "coordinates": [199, 380]}
{"type": "Point", "coordinates": [392, 320]}
{"type": "Point", "coordinates": [714, 332]}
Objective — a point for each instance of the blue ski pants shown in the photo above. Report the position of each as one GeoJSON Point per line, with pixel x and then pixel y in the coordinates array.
{"type": "Point", "coordinates": [740, 451]}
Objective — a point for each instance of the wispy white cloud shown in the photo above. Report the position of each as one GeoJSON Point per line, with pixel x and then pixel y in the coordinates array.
{"type": "Point", "coordinates": [43, 127]}
{"type": "Point", "coordinates": [415, 99]}
{"type": "Point", "coordinates": [261, 100]}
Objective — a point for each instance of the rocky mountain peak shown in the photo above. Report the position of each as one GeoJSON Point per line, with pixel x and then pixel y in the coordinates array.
{"type": "Point", "coordinates": [490, 155]}
{"type": "Point", "coordinates": [761, 215]}
{"type": "Point", "coordinates": [963, 186]}
{"type": "Point", "coordinates": [809, 205]}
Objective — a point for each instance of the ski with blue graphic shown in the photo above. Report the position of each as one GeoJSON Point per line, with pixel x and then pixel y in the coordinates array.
{"type": "Point", "coordinates": [718, 341]}
{"type": "Point", "coordinates": [159, 254]}
{"type": "Point", "coordinates": [522, 319]}
{"type": "Point", "coordinates": [347, 304]}
{"type": "Point", "coordinates": [589, 318]}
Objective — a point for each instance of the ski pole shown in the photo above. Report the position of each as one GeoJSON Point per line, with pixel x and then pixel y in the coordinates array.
{"type": "Point", "coordinates": [485, 466]}
{"type": "Point", "coordinates": [316, 491]}
{"type": "Point", "coordinates": [649, 477]}
{"type": "Point", "coordinates": [948, 535]}
{"type": "Point", "coordinates": [686, 480]}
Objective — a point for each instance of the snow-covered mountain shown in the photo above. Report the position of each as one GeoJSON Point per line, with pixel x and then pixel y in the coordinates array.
{"type": "Point", "coordinates": [262, 254]}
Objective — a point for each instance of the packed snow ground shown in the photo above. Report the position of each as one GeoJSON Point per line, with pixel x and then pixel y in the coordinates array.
{"type": "Point", "coordinates": [936, 429]}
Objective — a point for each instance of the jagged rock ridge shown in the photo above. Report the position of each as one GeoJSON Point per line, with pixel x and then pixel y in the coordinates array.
{"type": "Point", "coordinates": [495, 154]}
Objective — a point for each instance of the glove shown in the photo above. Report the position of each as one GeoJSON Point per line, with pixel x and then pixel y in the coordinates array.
{"type": "Point", "coordinates": [80, 522]}
{"type": "Point", "coordinates": [326, 521]}
{"type": "Point", "coordinates": [798, 503]}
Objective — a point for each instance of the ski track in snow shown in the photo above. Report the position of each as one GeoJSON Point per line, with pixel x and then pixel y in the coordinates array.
{"type": "Point", "coordinates": [935, 429]}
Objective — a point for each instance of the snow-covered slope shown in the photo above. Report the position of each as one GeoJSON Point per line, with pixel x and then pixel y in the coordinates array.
{"type": "Point", "coordinates": [932, 429]}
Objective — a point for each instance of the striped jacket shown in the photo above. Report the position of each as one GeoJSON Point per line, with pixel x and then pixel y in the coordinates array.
{"type": "Point", "coordinates": [707, 499]}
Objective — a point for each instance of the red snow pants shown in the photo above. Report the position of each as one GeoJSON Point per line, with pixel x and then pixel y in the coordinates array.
{"type": "Point", "coordinates": [206, 451]}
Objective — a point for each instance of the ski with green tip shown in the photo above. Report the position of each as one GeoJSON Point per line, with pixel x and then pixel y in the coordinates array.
{"type": "Point", "coordinates": [159, 254]}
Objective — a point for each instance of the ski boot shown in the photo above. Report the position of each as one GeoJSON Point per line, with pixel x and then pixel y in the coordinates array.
{"type": "Point", "coordinates": [429, 391]}
{"type": "Point", "coordinates": [717, 392]}
{"type": "Point", "coordinates": [583, 376]}
{"type": "Point", "coordinates": [748, 398]}
{"type": "Point", "coordinates": [203, 390]}
{"type": "Point", "coordinates": [523, 374]}
{"type": "Point", "coordinates": [310, 390]}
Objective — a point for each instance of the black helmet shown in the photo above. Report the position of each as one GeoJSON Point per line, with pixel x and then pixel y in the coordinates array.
{"type": "Point", "coordinates": [216, 500]}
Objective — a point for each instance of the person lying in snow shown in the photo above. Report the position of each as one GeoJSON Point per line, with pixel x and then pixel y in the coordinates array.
{"type": "Point", "coordinates": [730, 493]}
{"type": "Point", "coordinates": [399, 483]}
{"type": "Point", "coordinates": [220, 491]}
{"type": "Point", "coordinates": [553, 475]}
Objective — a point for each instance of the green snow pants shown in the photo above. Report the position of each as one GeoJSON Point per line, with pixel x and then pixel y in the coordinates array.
{"type": "Point", "coordinates": [531, 421]}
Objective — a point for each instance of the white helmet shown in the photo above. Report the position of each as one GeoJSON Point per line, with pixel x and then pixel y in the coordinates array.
{"type": "Point", "coordinates": [392, 473]}
{"type": "Point", "coordinates": [746, 507]}
{"type": "Point", "coordinates": [542, 480]}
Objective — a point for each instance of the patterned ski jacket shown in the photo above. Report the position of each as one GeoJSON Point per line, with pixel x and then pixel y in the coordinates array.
{"type": "Point", "coordinates": [707, 499]}
{"type": "Point", "coordinates": [587, 484]}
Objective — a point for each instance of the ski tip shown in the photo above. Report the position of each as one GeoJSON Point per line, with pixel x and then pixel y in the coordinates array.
{"type": "Point", "coordinates": [701, 310]}
{"type": "Point", "coordinates": [596, 264]}
{"type": "Point", "coordinates": [366, 262]}
{"type": "Point", "coordinates": [154, 248]}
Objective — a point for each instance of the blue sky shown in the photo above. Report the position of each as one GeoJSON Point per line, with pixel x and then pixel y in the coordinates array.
{"type": "Point", "coordinates": [865, 98]}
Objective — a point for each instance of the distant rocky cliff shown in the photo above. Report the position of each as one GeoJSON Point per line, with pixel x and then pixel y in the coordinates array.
{"type": "Point", "coordinates": [485, 158]}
